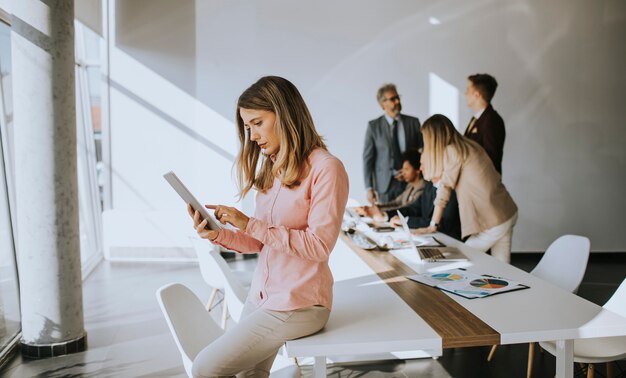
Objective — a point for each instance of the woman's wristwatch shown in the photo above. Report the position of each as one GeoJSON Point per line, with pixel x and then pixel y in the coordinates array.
{"type": "Point", "coordinates": [433, 224]}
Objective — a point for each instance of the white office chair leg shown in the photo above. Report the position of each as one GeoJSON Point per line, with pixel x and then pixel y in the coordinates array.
{"type": "Point", "coordinates": [224, 313]}
{"type": "Point", "coordinates": [211, 299]}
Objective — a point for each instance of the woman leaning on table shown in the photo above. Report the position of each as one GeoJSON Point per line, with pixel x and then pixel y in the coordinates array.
{"type": "Point", "coordinates": [302, 194]}
{"type": "Point", "coordinates": [486, 209]}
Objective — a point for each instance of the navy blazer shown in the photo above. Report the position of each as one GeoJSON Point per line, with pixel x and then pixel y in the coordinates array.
{"type": "Point", "coordinates": [421, 211]}
{"type": "Point", "coordinates": [378, 157]}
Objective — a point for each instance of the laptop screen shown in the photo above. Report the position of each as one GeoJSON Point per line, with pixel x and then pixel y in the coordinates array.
{"type": "Point", "coordinates": [407, 231]}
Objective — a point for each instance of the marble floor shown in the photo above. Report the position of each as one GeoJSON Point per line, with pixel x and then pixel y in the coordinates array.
{"type": "Point", "coordinates": [128, 337]}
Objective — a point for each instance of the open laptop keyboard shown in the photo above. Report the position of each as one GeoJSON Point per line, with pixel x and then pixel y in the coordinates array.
{"type": "Point", "coordinates": [431, 254]}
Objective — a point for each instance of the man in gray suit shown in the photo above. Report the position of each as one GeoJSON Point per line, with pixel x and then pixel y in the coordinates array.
{"type": "Point", "coordinates": [386, 139]}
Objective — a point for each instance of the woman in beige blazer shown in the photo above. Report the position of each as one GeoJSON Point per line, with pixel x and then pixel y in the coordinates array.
{"type": "Point", "coordinates": [486, 208]}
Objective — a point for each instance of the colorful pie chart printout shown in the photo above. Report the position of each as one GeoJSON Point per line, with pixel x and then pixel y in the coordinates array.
{"type": "Point", "coordinates": [489, 283]}
{"type": "Point", "coordinates": [467, 284]}
{"type": "Point", "coordinates": [447, 277]}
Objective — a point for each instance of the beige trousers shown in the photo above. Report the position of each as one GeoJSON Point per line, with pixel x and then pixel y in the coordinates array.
{"type": "Point", "coordinates": [497, 238]}
{"type": "Point", "coordinates": [249, 348]}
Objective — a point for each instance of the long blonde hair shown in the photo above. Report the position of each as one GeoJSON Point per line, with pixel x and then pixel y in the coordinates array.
{"type": "Point", "coordinates": [294, 127]}
{"type": "Point", "coordinates": [439, 133]}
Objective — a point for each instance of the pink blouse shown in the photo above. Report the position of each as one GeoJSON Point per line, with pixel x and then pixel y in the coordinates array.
{"type": "Point", "coordinates": [294, 230]}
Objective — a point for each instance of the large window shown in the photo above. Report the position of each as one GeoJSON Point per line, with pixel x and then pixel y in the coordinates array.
{"type": "Point", "coordinates": [9, 290]}
{"type": "Point", "coordinates": [88, 123]}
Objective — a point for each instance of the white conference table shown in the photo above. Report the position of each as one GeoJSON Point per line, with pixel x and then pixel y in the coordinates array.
{"type": "Point", "coordinates": [369, 317]}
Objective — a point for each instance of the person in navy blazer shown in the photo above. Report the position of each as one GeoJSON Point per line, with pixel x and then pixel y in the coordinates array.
{"type": "Point", "coordinates": [382, 151]}
{"type": "Point", "coordinates": [486, 126]}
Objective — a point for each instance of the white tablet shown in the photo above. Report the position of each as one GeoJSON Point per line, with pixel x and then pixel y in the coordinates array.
{"type": "Point", "coordinates": [185, 194]}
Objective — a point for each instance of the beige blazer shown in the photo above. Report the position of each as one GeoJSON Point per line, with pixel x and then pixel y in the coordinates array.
{"type": "Point", "coordinates": [483, 200]}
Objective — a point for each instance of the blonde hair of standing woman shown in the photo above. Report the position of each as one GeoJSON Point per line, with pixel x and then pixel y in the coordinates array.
{"type": "Point", "coordinates": [296, 132]}
{"type": "Point", "coordinates": [439, 133]}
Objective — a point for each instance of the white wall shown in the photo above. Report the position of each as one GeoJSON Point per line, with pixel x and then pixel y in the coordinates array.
{"type": "Point", "coordinates": [157, 125]}
{"type": "Point", "coordinates": [560, 66]}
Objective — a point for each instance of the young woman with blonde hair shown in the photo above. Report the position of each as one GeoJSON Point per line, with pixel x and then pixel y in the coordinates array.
{"type": "Point", "coordinates": [302, 194]}
{"type": "Point", "coordinates": [453, 162]}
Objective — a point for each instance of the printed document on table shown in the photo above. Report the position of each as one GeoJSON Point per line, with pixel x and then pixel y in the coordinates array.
{"type": "Point", "coordinates": [467, 284]}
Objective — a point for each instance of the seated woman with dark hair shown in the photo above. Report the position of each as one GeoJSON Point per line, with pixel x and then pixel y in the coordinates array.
{"type": "Point", "coordinates": [415, 185]}
{"type": "Point", "coordinates": [420, 212]}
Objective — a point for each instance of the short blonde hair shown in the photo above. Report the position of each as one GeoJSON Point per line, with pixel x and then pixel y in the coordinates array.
{"type": "Point", "coordinates": [438, 133]}
{"type": "Point", "coordinates": [294, 127]}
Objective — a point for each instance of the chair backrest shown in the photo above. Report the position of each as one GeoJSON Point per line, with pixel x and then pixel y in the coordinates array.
{"type": "Point", "coordinates": [617, 302]}
{"type": "Point", "coordinates": [235, 296]}
{"type": "Point", "coordinates": [210, 270]}
{"type": "Point", "coordinates": [188, 320]}
{"type": "Point", "coordinates": [216, 273]}
{"type": "Point", "coordinates": [564, 262]}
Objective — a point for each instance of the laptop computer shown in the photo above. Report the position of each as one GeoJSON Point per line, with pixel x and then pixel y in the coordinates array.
{"type": "Point", "coordinates": [431, 254]}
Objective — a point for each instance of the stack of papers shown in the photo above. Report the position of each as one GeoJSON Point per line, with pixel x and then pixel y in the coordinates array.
{"type": "Point", "coordinates": [467, 284]}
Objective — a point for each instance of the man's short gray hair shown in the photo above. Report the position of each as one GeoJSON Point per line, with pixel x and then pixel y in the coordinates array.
{"type": "Point", "coordinates": [380, 95]}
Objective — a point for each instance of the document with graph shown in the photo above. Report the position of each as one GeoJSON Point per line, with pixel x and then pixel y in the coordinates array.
{"type": "Point", "coordinates": [467, 284]}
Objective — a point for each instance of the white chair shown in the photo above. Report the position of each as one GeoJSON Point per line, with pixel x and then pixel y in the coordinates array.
{"type": "Point", "coordinates": [563, 264]}
{"type": "Point", "coordinates": [190, 324]}
{"type": "Point", "coordinates": [603, 349]}
{"type": "Point", "coordinates": [217, 274]}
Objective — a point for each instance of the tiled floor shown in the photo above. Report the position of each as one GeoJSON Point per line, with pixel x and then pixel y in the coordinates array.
{"type": "Point", "coordinates": [128, 337]}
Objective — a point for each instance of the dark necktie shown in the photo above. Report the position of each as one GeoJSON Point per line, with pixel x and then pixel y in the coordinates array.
{"type": "Point", "coordinates": [396, 145]}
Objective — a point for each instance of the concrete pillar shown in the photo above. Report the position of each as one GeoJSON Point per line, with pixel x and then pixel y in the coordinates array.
{"type": "Point", "coordinates": [48, 244]}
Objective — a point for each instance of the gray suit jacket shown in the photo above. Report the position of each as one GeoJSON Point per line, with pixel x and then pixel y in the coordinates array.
{"type": "Point", "coordinates": [378, 159]}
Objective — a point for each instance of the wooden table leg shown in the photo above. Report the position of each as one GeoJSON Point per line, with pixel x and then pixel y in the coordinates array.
{"type": "Point", "coordinates": [531, 357]}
